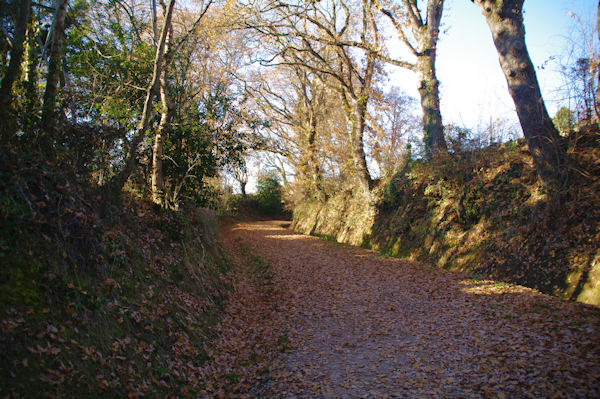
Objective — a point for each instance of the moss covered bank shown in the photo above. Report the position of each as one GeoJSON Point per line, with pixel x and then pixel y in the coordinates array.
{"type": "Point", "coordinates": [483, 213]}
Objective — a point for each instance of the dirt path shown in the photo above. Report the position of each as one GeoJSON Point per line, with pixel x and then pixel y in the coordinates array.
{"type": "Point", "coordinates": [357, 326]}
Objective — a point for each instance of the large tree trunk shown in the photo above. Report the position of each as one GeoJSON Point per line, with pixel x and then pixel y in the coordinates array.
{"type": "Point", "coordinates": [13, 71]}
{"type": "Point", "coordinates": [14, 67]}
{"type": "Point", "coordinates": [117, 183]}
{"type": "Point", "coordinates": [427, 33]}
{"type": "Point", "coordinates": [309, 167]}
{"type": "Point", "coordinates": [48, 108]}
{"type": "Point", "coordinates": [423, 45]}
{"type": "Point", "coordinates": [311, 163]}
{"type": "Point", "coordinates": [310, 93]}
{"type": "Point", "coordinates": [357, 115]}
{"type": "Point", "coordinates": [505, 19]}
{"type": "Point", "coordinates": [433, 128]}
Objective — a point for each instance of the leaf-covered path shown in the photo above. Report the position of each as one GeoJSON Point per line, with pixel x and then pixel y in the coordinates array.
{"type": "Point", "coordinates": [355, 325]}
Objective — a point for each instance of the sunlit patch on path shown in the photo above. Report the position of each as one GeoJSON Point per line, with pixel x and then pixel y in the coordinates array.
{"type": "Point", "coordinates": [356, 325]}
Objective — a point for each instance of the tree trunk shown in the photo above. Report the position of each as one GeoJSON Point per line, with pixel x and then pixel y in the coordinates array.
{"type": "Point", "coordinates": [433, 128]}
{"type": "Point", "coordinates": [316, 174]}
{"type": "Point", "coordinates": [16, 55]}
{"type": "Point", "coordinates": [32, 53]}
{"type": "Point", "coordinates": [117, 183]}
{"type": "Point", "coordinates": [309, 166]}
{"type": "Point", "coordinates": [505, 19]}
{"type": "Point", "coordinates": [166, 116]}
{"type": "Point", "coordinates": [423, 45]}
{"type": "Point", "coordinates": [358, 148]}
{"type": "Point", "coordinates": [58, 34]}
{"type": "Point", "coordinates": [158, 181]}
{"type": "Point", "coordinates": [356, 116]}
{"type": "Point", "coordinates": [598, 64]}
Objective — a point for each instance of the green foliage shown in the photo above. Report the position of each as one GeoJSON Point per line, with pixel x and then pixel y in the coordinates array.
{"type": "Point", "coordinates": [203, 140]}
{"type": "Point", "coordinates": [564, 120]}
{"type": "Point", "coordinates": [107, 66]}
{"type": "Point", "coordinates": [106, 62]}
{"type": "Point", "coordinates": [268, 194]}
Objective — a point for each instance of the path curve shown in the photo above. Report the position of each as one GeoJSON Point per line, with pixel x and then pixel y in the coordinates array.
{"type": "Point", "coordinates": [362, 326]}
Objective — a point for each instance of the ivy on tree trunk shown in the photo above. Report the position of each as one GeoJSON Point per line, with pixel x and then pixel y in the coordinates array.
{"type": "Point", "coordinates": [16, 55]}
{"type": "Point", "coordinates": [58, 34]}
{"type": "Point", "coordinates": [433, 128]}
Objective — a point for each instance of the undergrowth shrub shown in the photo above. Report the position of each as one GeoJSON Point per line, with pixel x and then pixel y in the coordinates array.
{"type": "Point", "coordinates": [269, 195]}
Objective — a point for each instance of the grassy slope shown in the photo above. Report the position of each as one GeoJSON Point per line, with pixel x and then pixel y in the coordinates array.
{"type": "Point", "coordinates": [486, 214]}
{"type": "Point", "coordinates": [103, 305]}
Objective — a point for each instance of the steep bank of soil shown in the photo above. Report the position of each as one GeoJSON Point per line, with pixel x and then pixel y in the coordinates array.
{"type": "Point", "coordinates": [347, 217]}
{"type": "Point", "coordinates": [138, 325]}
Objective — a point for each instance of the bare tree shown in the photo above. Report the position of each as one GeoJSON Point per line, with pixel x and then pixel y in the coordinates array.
{"type": "Point", "coordinates": [239, 172]}
{"type": "Point", "coordinates": [392, 123]}
{"type": "Point", "coordinates": [311, 92]}
{"type": "Point", "coordinates": [293, 99]}
{"type": "Point", "coordinates": [423, 45]}
{"type": "Point", "coordinates": [337, 43]}
{"type": "Point", "coordinates": [505, 19]}
{"type": "Point", "coordinates": [580, 69]}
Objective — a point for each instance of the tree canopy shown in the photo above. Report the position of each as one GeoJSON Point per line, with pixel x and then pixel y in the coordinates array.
{"type": "Point", "coordinates": [159, 95]}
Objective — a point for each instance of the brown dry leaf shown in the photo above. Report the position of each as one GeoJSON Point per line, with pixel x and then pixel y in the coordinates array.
{"type": "Point", "coordinates": [354, 325]}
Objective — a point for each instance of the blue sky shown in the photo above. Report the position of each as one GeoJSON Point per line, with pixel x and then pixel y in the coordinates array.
{"type": "Point", "coordinates": [473, 87]}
